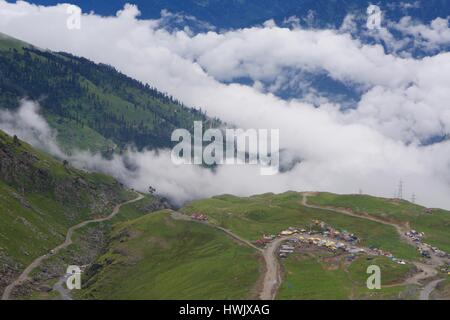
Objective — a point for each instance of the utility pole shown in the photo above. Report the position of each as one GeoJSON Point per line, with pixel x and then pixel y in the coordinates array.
{"type": "Point", "coordinates": [413, 198]}
{"type": "Point", "coordinates": [400, 190]}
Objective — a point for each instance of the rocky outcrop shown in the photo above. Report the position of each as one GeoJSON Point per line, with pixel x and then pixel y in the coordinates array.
{"type": "Point", "coordinates": [27, 173]}
{"type": "Point", "coordinates": [9, 270]}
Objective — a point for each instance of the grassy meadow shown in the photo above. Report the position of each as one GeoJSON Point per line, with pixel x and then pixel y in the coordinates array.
{"type": "Point", "coordinates": [251, 217]}
{"type": "Point", "coordinates": [157, 257]}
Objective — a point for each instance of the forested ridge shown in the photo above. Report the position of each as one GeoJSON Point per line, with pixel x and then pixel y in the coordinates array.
{"type": "Point", "coordinates": [92, 106]}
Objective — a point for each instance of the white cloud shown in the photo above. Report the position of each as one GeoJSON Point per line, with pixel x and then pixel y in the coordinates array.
{"type": "Point", "coordinates": [29, 126]}
{"type": "Point", "coordinates": [430, 37]}
{"type": "Point", "coordinates": [405, 100]}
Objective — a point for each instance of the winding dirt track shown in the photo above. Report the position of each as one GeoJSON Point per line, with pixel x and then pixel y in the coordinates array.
{"type": "Point", "coordinates": [67, 242]}
{"type": "Point", "coordinates": [272, 276]}
{"type": "Point", "coordinates": [425, 293]}
{"type": "Point", "coordinates": [426, 270]}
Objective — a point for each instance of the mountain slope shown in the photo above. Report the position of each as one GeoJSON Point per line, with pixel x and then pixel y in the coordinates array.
{"type": "Point", "coordinates": [435, 223]}
{"type": "Point", "coordinates": [159, 257]}
{"type": "Point", "coordinates": [40, 198]}
{"type": "Point", "coordinates": [270, 213]}
{"type": "Point", "coordinates": [92, 106]}
{"type": "Point", "coordinates": [171, 255]}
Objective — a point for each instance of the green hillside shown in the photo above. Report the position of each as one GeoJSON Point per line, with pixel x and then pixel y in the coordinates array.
{"type": "Point", "coordinates": [435, 223]}
{"type": "Point", "coordinates": [271, 213]}
{"type": "Point", "coordinates": [322, 276]}
{"type": "Point", "coordinates": [89, 243]}
{"type": "Point", "coordinates": [157, 257]}
{"type": "Point", "coordinates": [92, 106]}
{"type": "Point", "coordinates": [40, 198]}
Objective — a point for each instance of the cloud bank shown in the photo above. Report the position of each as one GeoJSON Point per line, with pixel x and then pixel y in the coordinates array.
{"type": "Point", "coordinates": [403, 104]}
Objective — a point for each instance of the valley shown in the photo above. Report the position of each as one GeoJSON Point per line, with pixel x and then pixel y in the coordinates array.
{"type": "Point", "coordinates": [309, 273]}
{"type": "Point", "coordinates": [132, 245]}
{"type": "Point", "coordinates": [212, 248]}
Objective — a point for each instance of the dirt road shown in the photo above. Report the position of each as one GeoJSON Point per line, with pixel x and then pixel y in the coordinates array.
{"type": "Point", "coordinates": [272, 276]}
{"type": "Point", "coordinates": [400, 229]}
{"type": "Point", "coordinates": [426, 270]}
{"type": "Point", "coordinates": [67, 242]}
{"type": "Point", "coordinates": [426, 291]}
{"type": "Point", "coordinates": [179, 216]}
{"type": "Point", "coordinates": [64, 293]}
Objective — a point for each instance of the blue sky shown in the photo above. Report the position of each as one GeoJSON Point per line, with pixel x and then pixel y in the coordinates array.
{"type": "Point", "coordinates": [239, 13]}
{"type": "Point", "coordinates": [104, 7]}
